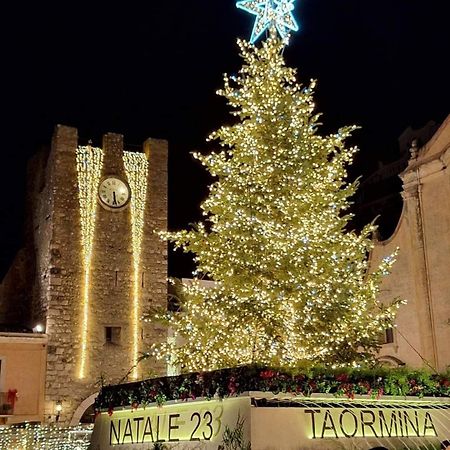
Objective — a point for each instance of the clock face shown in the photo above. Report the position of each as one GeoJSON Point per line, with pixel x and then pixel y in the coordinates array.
{"type": "Point", "coordinates": [113, 192]}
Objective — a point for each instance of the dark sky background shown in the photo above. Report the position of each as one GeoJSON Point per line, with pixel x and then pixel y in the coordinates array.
{"type": "Point", "coordinates": [152, 68]}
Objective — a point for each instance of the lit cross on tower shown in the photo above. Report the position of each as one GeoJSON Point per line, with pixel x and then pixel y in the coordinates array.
{"type": "Point", "coordinates": [269, 13]}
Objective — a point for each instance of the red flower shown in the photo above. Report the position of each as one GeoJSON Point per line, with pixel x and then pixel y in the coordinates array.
{"type": "Point", "coordinates": [110, 411]}
{"type": "Point", "coordinates": [135, 405]}
{"type": "Point", "coordinates": [343, 378]}
{"type": "Point", "coordinates": [12, 396]}
{"type": "Point", "coordinates": [267, 374]}
{"type": "Point", "coordinates": [232, 386]}
{"type": "Point", "coordinates": [348, 391]}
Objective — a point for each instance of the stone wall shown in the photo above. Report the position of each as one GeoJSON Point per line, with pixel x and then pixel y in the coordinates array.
{"type": "Point", "coordinates": [15, 291]}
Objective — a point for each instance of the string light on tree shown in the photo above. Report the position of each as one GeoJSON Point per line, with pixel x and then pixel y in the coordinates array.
{"type": "Point", "coordinates": [89, 169]}
{"type": "Point", "coordinates": [271, 13]}
{"type": "Point", "coordinates": [136, 168]}
{"type": "Point", "coordinates": [291, 283]}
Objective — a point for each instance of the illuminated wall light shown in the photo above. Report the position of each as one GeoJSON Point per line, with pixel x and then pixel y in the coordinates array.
{"type": "Point", "coordinates": [89, 168]}
{"type": "Point", "coordinates": [136, 168]}
{"type": "Point", "coordinates": [39, 328]}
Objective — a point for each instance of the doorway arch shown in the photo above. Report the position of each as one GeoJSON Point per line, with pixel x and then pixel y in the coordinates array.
{"type": "Point", "coordinates": [390, 361]}
{"type": "Point", "coordinates": [84, 405]}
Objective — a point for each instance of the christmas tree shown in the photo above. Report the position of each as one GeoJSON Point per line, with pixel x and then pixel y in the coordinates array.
{"type": "Point", "coordinates": [291, 283]}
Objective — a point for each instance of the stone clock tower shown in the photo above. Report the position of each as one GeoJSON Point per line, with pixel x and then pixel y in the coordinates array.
{"type": "Point", "coordinates": [99, 263]}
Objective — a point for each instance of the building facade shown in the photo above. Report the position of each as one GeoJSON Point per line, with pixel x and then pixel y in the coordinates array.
{"type": "Point", "coordinates": [421, 274]}
{"type": "Point", "coordinates": [96, 264]}
{"type": "Point", "coordinates": [22, 377]}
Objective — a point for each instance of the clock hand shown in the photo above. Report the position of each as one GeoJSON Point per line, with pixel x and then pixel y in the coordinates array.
{"type": "Point", "coordinates": [114, 198]}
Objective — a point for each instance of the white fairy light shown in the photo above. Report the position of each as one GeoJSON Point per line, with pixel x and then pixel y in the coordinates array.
{"type": "Point", "coordinates": [136, 168]}
{"type": "Point", "coordinates": [89, 168]}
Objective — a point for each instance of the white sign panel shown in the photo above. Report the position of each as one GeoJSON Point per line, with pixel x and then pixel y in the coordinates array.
{"type": "Point", "coordinates": [200, 422]}
{"type": "Point", "coordinates": [328, 427]}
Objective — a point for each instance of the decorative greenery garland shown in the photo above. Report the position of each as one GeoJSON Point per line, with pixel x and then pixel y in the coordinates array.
{"type": "Point", "coordinates": [315, 380]}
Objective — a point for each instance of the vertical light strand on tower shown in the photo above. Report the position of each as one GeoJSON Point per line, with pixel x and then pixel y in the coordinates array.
{"type": "Point", "coordinates": [136, 168]}
{"type": "Point", "coordinates": [89, 168]}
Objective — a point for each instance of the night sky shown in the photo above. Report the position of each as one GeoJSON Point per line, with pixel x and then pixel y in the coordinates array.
{"type": "Point", "coordinates": [151, 69]}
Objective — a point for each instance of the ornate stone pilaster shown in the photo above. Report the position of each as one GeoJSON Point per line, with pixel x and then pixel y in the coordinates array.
{"type": "Point", "coordinates": [414, 216]}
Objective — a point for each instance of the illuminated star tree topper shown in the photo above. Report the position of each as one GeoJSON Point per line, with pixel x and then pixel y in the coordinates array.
{"type": "Point", "coordinates": [270, 13]}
